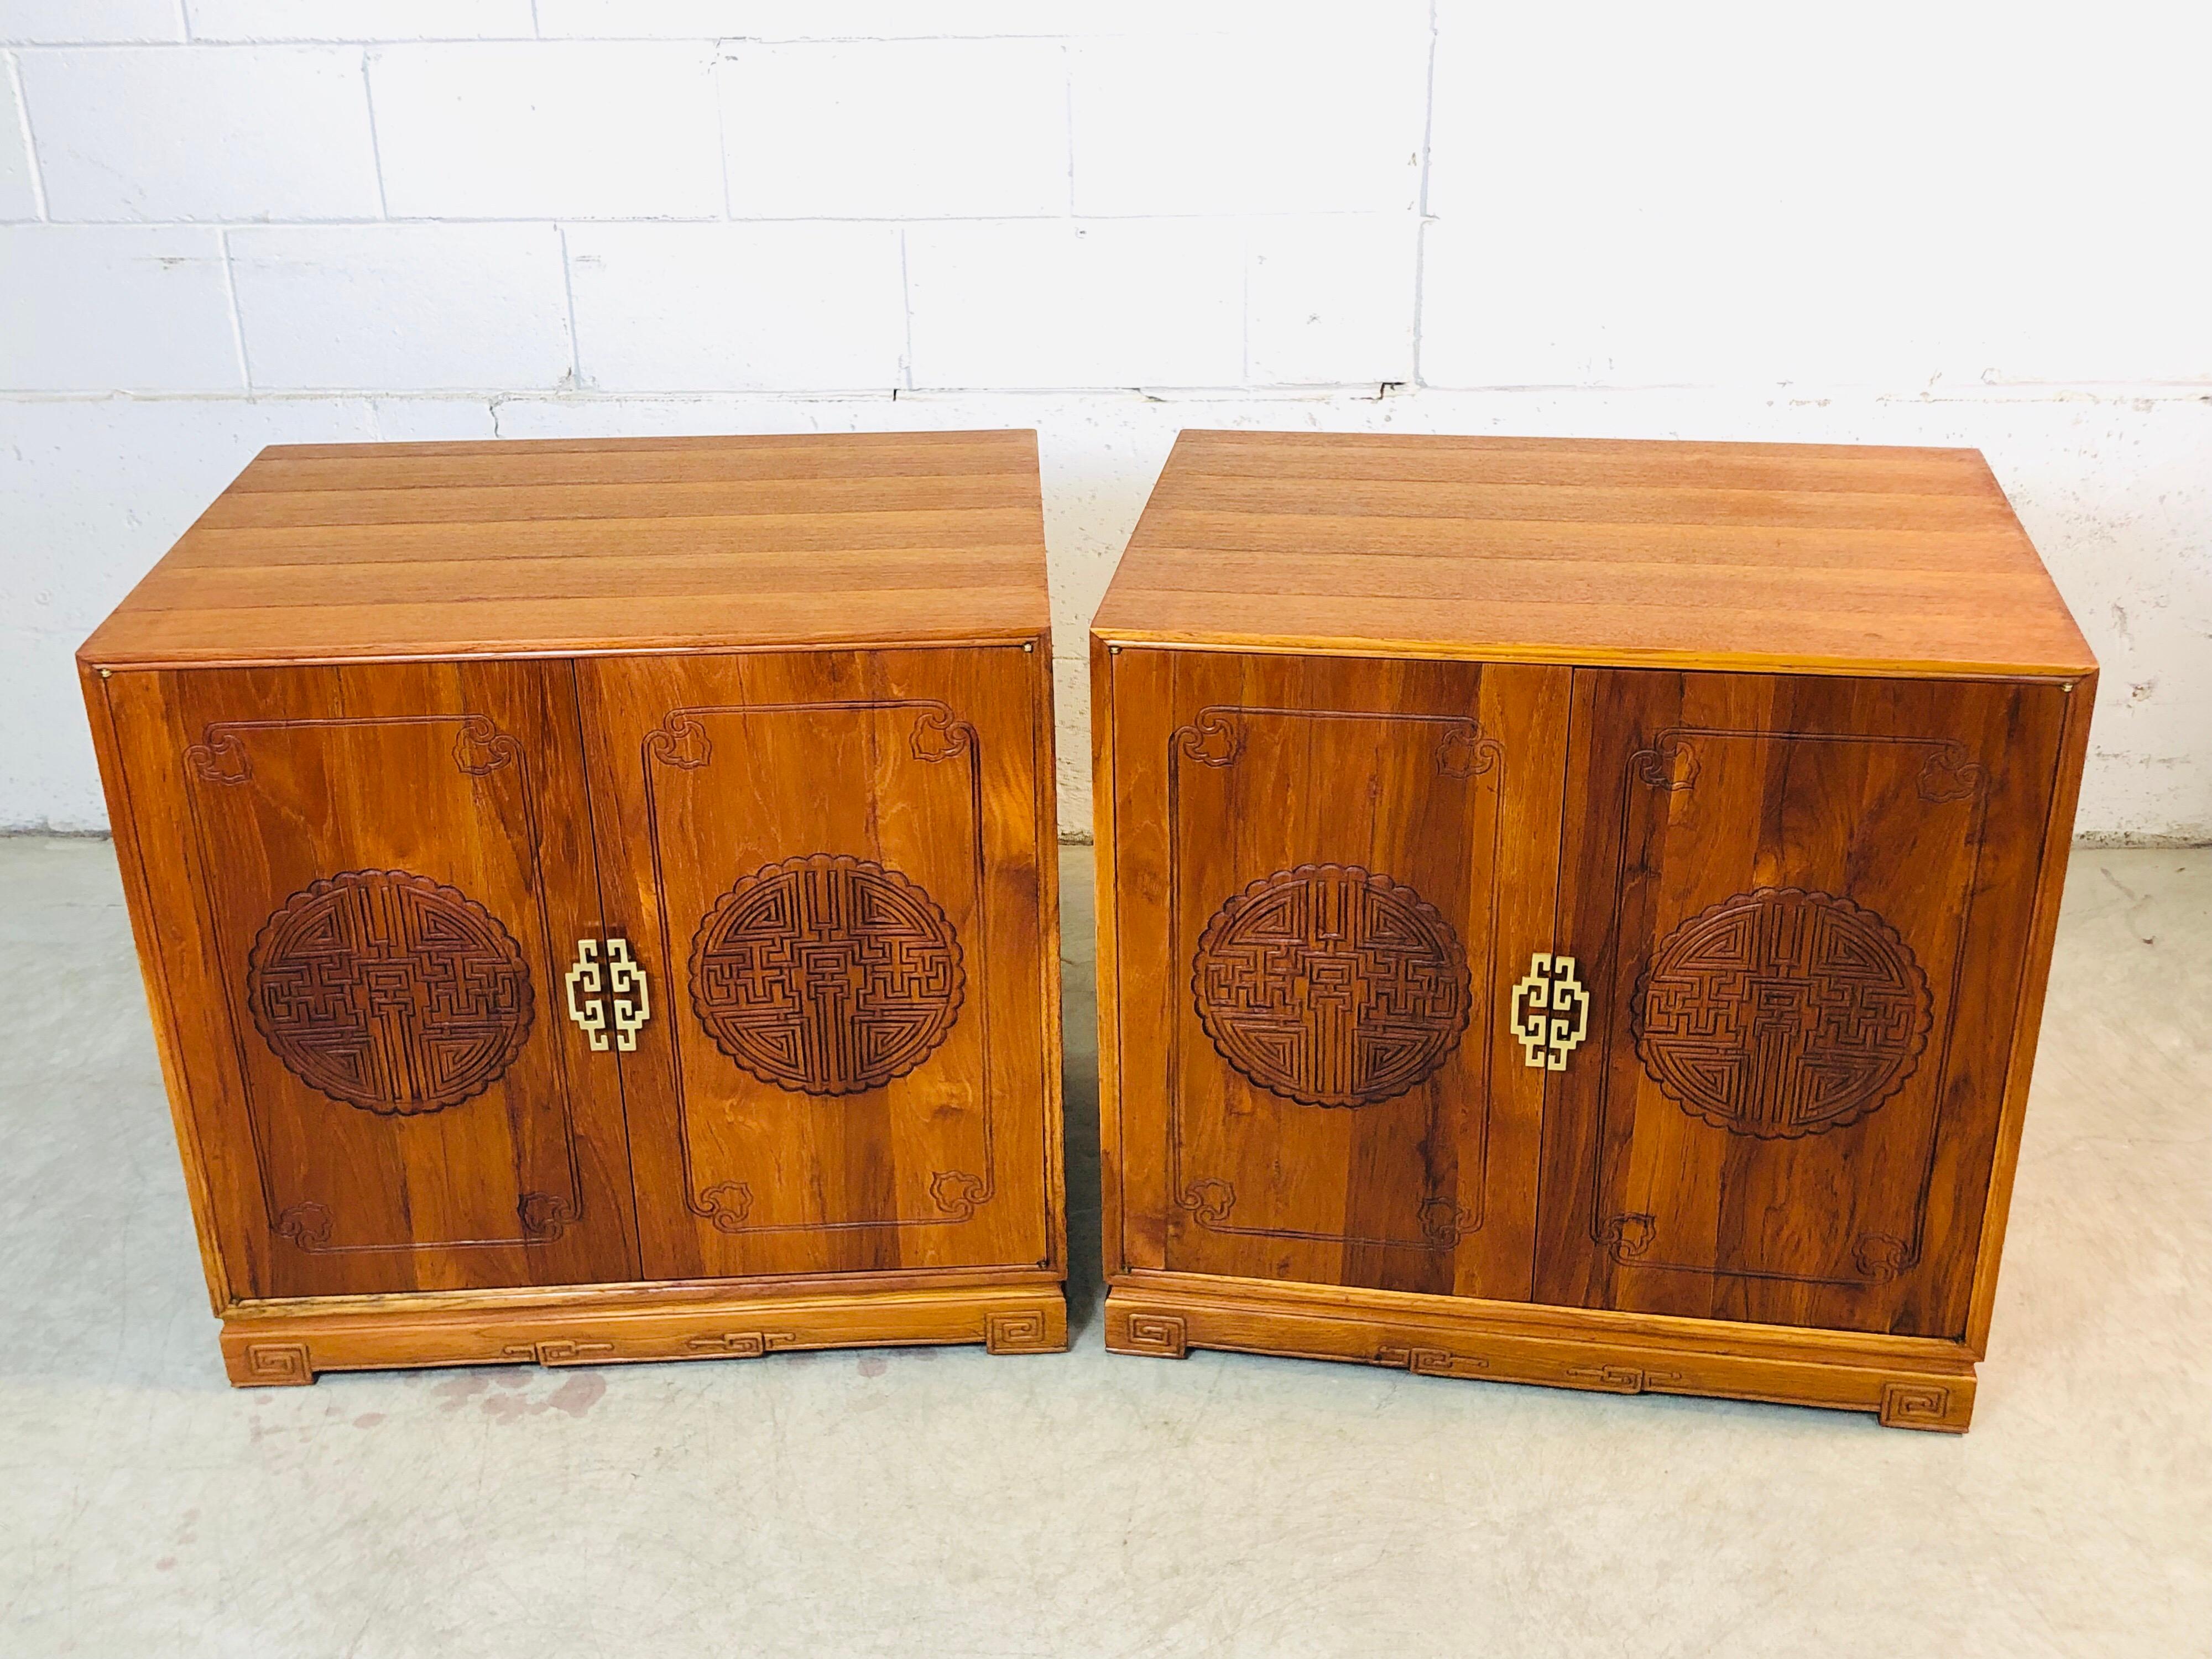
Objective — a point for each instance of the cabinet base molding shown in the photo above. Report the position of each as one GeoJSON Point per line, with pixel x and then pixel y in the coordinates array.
{"type": "Point", "coordinates": [1906, 1389]}
{"type": "Point", "coordinates": [266, 1348]}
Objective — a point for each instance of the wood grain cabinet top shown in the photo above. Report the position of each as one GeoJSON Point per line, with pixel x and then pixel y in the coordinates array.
{"type": "Point", "coordinates": [339, 552]}
{"type": "Point", "coordinates": [1577, 912]}
{"type": "Point", "coordinates": [1776, 557]}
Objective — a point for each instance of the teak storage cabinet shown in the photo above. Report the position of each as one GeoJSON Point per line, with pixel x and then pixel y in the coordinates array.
{"type": "Point", "coordinates": [597, 899]}
{"type": "Point", "coordinates": [1577, 913]}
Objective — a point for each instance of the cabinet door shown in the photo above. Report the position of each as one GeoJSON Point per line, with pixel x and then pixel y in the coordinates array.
{"type": "Point", "coordinates": [1327, 876]}
{"type": "Point", "coordinates": [832, 864]}
{"type": "Point", "coordinates": [365, 884]}
{"type": "Point", "coordinates": [1803, 907]}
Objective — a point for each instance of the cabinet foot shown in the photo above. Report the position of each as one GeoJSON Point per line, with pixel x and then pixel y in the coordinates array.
{"type": "Point", "coordinates": [1162, 1335]}
{"type": "Point", "coordinates": [268, 1365]}
{"type": "Point", "coordinates": [1037, 1330]}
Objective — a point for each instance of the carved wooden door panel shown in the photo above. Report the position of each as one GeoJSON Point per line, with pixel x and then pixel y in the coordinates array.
{"type": "Point", "coordinates": [388, 869]}
{"type": "Point", "coordinates": [1343, 865]}
{"type": "Point", "coordinates": [831, 862]}
{"type": "Point", "coordinates": [1801, 906]}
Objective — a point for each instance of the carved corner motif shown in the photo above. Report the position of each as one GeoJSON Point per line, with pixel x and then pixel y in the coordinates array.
{"type": "Point", "coordinates": [545, 1215]}
{"type": "Point", "coordinates": [1209, 1201]}
{"type": "Point", "coordinates": [1466, 752]}
{"type": "Point", "coordinates": [220, 757]}
{"type": "Point", "coordinates": [1949, 775]}
{"type": "Point", "coordinates": [680, 741]}
{"type": "Point", "coordinates": [305, 1226]}
{"type": "Point", "coordinates": [277, 1366]}
{"type": "Point", "coordinates": [482, 747]}
{"type": "Point", "coordinates": [1017, 1333]}
{"type": "Point", "coordinates": [1214, 739]}
{"type": "Point", "coordinates": [726, 1205]}
{"type": "Point", "coordinates": [1620, 1379]}
{"type": "Point", "coordinates": [1916, 1405]}
{"type": "Point", "coordinates": [1430, 1362]}
{"type": "Point", "coordinates": [1628, 1236]}
{"type": "Point", "coordinates": [1444, 1221]}
{"type": "Point", "coordinates": [958, 1193]}
{"type": "Point", "coordinates": [739, 1345]}
{"type": "Point", "coordinates": [1670, 763]}
{"type": "Point", "coordinates": [559, 1350]}
{"type": "Point", "coordinates": [939, 734]}
{"type": "Point", "coordinates": [1156, 1334]}
{"type": "Point", "coordinates": [1882, 1256]}
{"type": "Point", "coordinates": [1780, 1013]}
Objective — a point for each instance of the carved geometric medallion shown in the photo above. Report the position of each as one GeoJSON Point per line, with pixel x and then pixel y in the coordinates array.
{"type": "Point", "coordinates": [389, 991]}
{"type": "Point", "coordinates": [1782, 1013]}
{"type": "Point", "coordinates": [826, 975]}
{"type": "Point", "coordinates": [1331, 986]}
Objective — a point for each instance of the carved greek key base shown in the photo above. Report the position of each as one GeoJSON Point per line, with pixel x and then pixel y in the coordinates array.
{"type": "Point", "coordinates": [273, 1366]}
{"type": "Point", "coordinates": [275, 1345]}
{"type": "Point", "coordinates": [1023, 1333]}
{"type": "Point", "coordinates": [1142, 1333]}
{"type": "Point", "coordinates": [1906, 1383]}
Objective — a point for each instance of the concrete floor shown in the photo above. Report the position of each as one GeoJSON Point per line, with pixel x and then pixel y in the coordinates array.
{"type": "Point", "coordinates": [946, 1503]}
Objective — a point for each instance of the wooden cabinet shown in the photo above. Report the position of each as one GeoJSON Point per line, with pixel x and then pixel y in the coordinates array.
{"type": "Point", "coordinates": [597, 900]}
{"type": "Point", "coordinates": [1577, 913]}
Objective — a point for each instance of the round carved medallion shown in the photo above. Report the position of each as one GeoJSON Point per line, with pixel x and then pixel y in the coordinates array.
{"type": "Point", "coordinates": [1781, 1013]}
{"type": "Point", "coordinates": [1331, 986]}
{"type": "Point", "coordinates": [826, 975]}
{"type": "Point", "coordinates": [389, 991]}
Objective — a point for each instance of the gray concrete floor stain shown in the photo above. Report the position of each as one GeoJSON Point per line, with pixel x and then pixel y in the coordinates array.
{"type": "Point", "coordinates": [943, 1502]}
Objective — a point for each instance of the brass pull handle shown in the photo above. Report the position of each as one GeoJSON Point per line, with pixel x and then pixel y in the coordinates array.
{"type": "Point", "coordinates": [1551, 1010]}
{"type": "Point", "coordinates": [607, 994]}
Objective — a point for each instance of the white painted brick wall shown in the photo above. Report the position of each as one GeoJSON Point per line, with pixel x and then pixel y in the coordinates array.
{"type": "Point", "coordinates": [895, 129]}
{"type": "Point", "coordinates": [760, 308]}
{"type": "Point", "coordinates": [1043, 302]}
{"type": "Point", "coordinates": [1303, 122]}
{"type": "Point", "coordinates": [361, 20]}
{"type": "Point", "coordinates": [50, 21]}
{"type": "Point", "coordinates": [218, 133]}
{"type": "Point", "coordinates": [404, 307]}
{"type": "Point", "coordinates": [115, 308]}
{"type": "Point", "coordinates": [547, 129]}
{"type": "Point", "coordinates": [228, 223]}
{"type": "Point", "coordinates": [19, 190]}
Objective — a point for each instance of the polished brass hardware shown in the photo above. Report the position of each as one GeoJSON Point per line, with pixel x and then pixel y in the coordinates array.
{"type": "Point", "coordinates": [1551, 1010]}
{"type": "Point", "coordinates": [608, 993]}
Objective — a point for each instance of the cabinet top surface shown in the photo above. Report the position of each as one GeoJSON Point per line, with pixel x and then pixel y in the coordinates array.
{"type": "Point", "coordinates": [330, 552]}
{"type": "Point", "coordinates": [1771, 555]}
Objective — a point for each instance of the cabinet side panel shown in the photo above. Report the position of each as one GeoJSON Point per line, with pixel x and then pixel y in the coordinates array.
{"type": "Point", "coordinates": [2050, 885]}
{"type": "Point", "coordinates": [1805, 902]}
{"type": "Point", "coordinates": [376, 894]}
{"type": "Point", "coordinates": [150, 864]}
